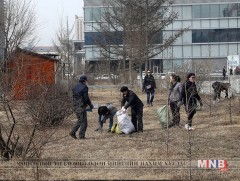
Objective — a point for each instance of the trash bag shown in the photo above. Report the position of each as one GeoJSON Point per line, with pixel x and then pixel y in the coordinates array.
{"type": "Point", "coordinates": [162, 113]}
{"type": "Point", "coordinates": [124, 122]}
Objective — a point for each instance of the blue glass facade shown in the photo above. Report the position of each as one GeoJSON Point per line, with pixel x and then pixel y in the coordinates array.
{"type": "Point", "coordinates": [214, 32]}
{"type": "Point", "coordinates": [216, 35]}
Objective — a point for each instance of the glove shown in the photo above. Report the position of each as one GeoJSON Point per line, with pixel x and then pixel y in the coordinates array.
{"type": "Point", "coordinates": [91, 106]}
{"type": "Point", "coordinates": [123, 109]}
{"type": "Point", "coordinates": [179, 103]}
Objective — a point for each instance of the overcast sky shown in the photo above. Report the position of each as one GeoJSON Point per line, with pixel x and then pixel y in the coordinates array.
{"type": "Point", "coordinates": [50, 12]}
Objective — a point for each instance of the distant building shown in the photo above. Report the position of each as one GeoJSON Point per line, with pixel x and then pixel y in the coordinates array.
{"type": "Point", "coordinates": [79, 28]}
{"type": "Point", "coordinates": [79, 51]}
{"type": "Point", "coordinates": [214, 33]}
{"type": "Point", "coordinates": [79, 58]}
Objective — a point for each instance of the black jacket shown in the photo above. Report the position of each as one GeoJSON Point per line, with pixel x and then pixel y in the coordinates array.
{"type": "Point", "coordinates": [132, 101]}
{"type": "Point", "coordinates": [189, 94]}
{"type": "Point", "coordinates": [80, 96]}
{"type": "Point", "coordinates": [149, 80]}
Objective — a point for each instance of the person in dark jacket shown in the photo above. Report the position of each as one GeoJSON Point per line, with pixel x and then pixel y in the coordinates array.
{"type": "Point", "coordinates": [224, 73]}
{"type": "Point", "coordinates": [231, 71]}
{"type": "Point", "coordinates": [149, 86]}
{"type": "Point", "coordinates": [106, 112]}
{"type": "Point", "coordinates": [130, 99]}
{"type": "Point", "coordinates": [189, 97]}
{"type": "Point", "coordinates": [81, 101]}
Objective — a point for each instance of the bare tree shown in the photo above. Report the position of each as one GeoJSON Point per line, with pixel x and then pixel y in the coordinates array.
{"type": "Point", "coordinates": [19, 25]}
{"type": "Point", "coordinates": [132, 31]}
{"type": "Point", "coordinates": [28, 126]}
{"type": "Point", "coordinates": [64, 46]}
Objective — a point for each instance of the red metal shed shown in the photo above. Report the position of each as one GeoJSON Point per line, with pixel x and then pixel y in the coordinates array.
{"type": "Point", "coordinates": [27, 70]}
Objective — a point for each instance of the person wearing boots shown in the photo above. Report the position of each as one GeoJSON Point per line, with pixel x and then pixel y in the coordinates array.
{"type": "Point", "coordinates": [189, 97]}
{"type": "Point", "coordinates": [80, 102]}
{"type": "Point", "coordinates": [149, 86]}
{"type": "Point", "coordinates": [106, 112]}
{"type": "Point", "coordinates": [130, 99]}
{"type": "Point", "coordinates": [173, 98]}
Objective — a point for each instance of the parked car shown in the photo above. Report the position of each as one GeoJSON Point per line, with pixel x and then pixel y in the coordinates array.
{"type": "Point", "coordinates": [162, 75]}
{"type": "Point", "coordinates": [143, 75]}
{"type": "Point", "coordinates": [106, 77]}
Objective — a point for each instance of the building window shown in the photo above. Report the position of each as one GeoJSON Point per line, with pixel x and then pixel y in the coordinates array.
{"type": "Point", "coordinates": [205, 11]}
{"type": "Point", "coordinates": [158, 38]}
{"type": "Point", "coordinates": [96, 14]}
{"type": "Point", "coordinates": [223, 10]}
{"type": "Point", "coordinates": [232, 10]}
{"type": "Point", "coordinates": [114, 38]}
{"type": "Point", "coordinates": [98, 38]}
{"type": "Point", "coordinates": [88, 14]}
{"type": "Point", "coordinates": [196, 11]}
{"type": "Point", "coordinates": [216, 10]}
{"type": "Point", "coordinates": [187, 12]}
{"type": "Point", "coordinates": [216, 35]}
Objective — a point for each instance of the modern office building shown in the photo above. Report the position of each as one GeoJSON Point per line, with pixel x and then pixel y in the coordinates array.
{"type": "Point", "coordinates": [214, 33]}
{"type": "Point", "coordinates": [79, 52]}
{"type": "Point", "coordinates": [2, 44]}
{"type": "Point", "coordinates": [79, 28]}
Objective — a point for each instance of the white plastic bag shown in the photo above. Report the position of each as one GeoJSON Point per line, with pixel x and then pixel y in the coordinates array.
{"type": "Point", "coordinates": [124, 122]}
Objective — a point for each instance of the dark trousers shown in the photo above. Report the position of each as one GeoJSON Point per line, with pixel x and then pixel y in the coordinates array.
{"type": "Point", "coordinates": [190, 113]}
{"type": "Point", "coordinates": [217, 93]}
{"type": "Point", "coordinates": [137, 121]}
{"type": "Point", "coordinates": [150, 96]}
{"type": "Point", "coordinates": [175, 113]}
{"type": "Point", "coordinates": [81, 122]}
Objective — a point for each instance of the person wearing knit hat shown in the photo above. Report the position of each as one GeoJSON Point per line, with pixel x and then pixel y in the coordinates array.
{"type": "Point", "coordinates": [189, 97]}
{"type": "Point", "coordinates": [81, 101]}
{"type": "Point", "coordinates": [130, 99]}
{"type": "Point", "coordinates": [83, 78]}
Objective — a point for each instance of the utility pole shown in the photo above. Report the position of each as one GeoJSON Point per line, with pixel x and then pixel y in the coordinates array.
{"type": "Point", "coordinates": [146, 39]}
{"type": "Point", "coordinates": [68, 57]}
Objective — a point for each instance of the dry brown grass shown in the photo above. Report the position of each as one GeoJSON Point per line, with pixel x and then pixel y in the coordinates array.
{"type": "Point", "coordinates": [214, 138]}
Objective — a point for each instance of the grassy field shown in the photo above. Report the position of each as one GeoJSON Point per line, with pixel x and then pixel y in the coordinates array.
{"type": "Point", "coordinates": [155, 154]}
